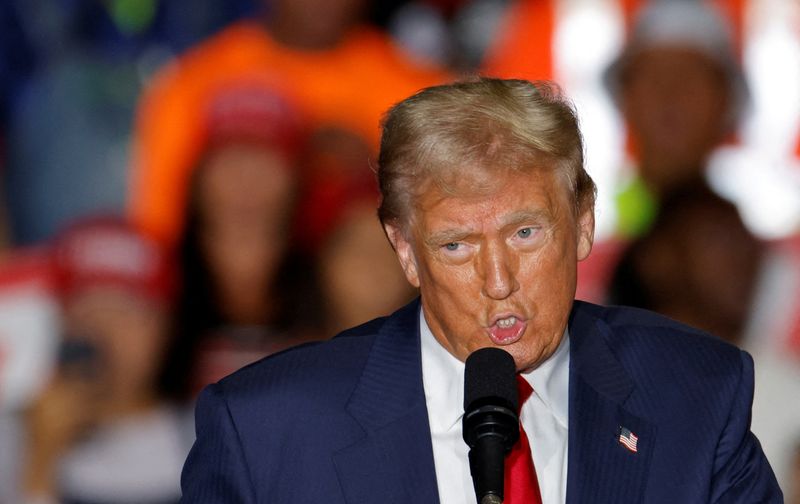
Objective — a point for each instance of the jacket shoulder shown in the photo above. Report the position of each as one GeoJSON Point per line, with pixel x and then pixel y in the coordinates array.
{"type": "Point", "coordinates": [654, 350]}
{"type": "Point", "coordinates": [627, 326]}
{"type": "Point", "coordinates": [327, 364]}
{"type": "Point", "coordinates": [696, 390]}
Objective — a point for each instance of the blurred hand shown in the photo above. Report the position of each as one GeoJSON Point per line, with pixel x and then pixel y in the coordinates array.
{"type": "Point", "coordinates": [62, 414]}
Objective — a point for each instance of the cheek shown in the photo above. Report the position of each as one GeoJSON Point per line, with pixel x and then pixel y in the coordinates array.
{"type": "Point", "coordinates": [548, 281]}
{"type": "Point", "coordinates": [448, 283]}
{"type": "Point", "coordinates": [453, 294]}
{"type": "Point", "coordinates": [552, 261]}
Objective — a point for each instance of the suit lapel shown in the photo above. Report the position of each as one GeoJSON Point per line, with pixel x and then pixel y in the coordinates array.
{"type": "Point", "coordinates": [600, 468]}
{"type": "Point", "coordinates": [393, 463]}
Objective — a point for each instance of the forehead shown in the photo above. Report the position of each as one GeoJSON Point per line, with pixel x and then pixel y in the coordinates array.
{"type": "Point", "coordinates": [671, 61]}
{"type": "Point", "coordinates": [493, 199]}
{"type": "Point", "coordinates": [106, 302]}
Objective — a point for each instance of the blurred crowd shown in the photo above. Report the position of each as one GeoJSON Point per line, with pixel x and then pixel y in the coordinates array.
{"type": "Point", "coordinates": [188, 186]}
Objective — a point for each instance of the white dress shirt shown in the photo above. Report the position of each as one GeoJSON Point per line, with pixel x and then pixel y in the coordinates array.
{"type": "Point", "coordinates": [544, 417]}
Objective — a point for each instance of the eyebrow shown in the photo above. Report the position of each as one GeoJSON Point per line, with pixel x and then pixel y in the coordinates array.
{"type": "Point", "coordinates": [447, 236]}
{"type": "Point", "coordinates": [526, 216]}
{"type": "Point", "coordinates": [512, 220]}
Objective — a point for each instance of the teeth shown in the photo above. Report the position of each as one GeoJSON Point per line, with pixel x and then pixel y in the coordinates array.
{"type": "Point", "coordinates": [506, 322]}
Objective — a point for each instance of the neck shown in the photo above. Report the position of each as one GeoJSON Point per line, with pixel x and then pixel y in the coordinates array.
{"type": "Point", "coordinates": [244, 304]}
{"type": "Point", "coordinates": [662, 176]}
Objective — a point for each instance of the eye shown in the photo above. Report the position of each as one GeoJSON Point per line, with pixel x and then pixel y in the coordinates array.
{"type": "Point", "coordinates": [455, 252]}
{"type": "Point", "coordinates": [525, 232]}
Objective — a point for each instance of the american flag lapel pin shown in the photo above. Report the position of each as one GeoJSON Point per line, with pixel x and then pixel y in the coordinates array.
{"type": "Point", "coordinates": [628, 439]}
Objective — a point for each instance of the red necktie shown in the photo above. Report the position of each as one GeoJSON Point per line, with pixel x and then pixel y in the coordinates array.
{"type": "Point", "coordinates": [521, 484]}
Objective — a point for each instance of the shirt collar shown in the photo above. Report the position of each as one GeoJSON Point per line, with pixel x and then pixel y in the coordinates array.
{"type": "Point", "coordinates": [443, 380]}
{"type": "Point", "coordinates": [550, 381]}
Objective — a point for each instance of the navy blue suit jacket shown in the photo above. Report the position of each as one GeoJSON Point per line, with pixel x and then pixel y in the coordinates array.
{"type": "Point", "coordinates": [345, 421]}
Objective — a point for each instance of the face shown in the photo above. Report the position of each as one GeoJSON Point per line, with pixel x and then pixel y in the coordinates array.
{"type": "Point", "coordinates": [676, 104]}
{"type": "Point", "coordinates": [360, 276]}
{"type": "Point", "coordinates": [497, 268]}
{"type": "Point", "coordinates": [246, 188]}
{"type": "Point", "coordinates": [314, 23]}
{"type": "Point", "coordinates": [129, 334]}
{"type": "Point", "coordinates": [245, 194]}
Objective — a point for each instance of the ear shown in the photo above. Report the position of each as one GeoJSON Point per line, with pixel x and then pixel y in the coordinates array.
{"type": "Point", "coordinates": [585, 233]}
{"type": "Point", "coordinates": [405, 252]}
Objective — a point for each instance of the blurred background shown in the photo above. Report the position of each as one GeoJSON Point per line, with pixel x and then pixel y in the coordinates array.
{"type": "Point", "coordinates": [188, 185]}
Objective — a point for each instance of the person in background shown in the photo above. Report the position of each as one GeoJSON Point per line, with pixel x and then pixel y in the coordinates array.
{"type": "Point", "coordinates": [356, 271]}
{"type": "Point", "coordinates": [698, 264]}
{"type": "Point", "coordinates": [681, 92]}
{"type": "Point", "coordinates": [29, 335]}
{"type": "Point", "coordinates": [359, 275]}
{"type": "Point", "coordinates": [340, 71]}
{"type": "Point", "coordinates": [244, 291]}
{"type": "Point", "coordinates": [102, 430]}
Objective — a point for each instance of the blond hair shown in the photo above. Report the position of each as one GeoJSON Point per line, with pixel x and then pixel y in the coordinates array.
{"type": "Point", "coordinates": [472, 129]}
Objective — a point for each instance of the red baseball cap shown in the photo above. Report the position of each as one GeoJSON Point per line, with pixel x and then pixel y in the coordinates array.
{"type": "Point", "coordinates": [108, 251]}
{"type": "Point", "coordinates": [253, 112]}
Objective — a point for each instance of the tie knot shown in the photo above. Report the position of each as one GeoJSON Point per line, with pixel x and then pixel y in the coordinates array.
{"type": "Point", "coordinates": [524, 390]}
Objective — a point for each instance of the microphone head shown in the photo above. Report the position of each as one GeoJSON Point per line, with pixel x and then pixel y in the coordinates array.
{"type": "Point", "coordinates": [490, 424]}
{"type": "Point", "coordinates": [490, 378]}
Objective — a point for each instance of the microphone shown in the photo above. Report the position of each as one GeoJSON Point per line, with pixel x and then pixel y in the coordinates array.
{"type": "Point", "coordinates": [490, 424]}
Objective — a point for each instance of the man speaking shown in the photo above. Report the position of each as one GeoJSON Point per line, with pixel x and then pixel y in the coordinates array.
{"type": "Point", "coordinates": [487, 204]}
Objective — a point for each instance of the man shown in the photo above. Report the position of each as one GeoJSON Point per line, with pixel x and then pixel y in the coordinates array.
{"type": "Point", "coordinates": [487, 204]}
{"type": "Point", "coordinates": [681, 91]}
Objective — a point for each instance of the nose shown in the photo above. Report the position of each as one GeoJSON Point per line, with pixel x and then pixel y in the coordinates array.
{"type": "Point", "coordinates": [499, 272]}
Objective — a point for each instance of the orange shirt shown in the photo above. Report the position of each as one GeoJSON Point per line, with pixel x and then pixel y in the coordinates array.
{"type": "Point", "coordinates": [523, 47]}
{"type": "Point", "coordinates": [349, 86]}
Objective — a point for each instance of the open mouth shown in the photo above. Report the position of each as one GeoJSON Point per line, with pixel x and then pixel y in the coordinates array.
{"type": "Point", "coordinates": [506, 330]}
